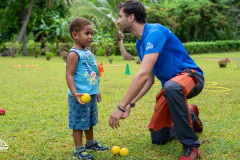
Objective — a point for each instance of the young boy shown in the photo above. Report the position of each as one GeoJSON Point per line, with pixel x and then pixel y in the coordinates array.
{"type": "Point", "coordinates": [82, 77]}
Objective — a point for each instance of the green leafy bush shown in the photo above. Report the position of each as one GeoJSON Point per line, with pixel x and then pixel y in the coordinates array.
{"type": "Point", "coordinates": [131, 48]}
{"type": "Point", "coordinates": [94, 47]}
{"type": "Point", "coordinates": [63, 47]}
{"type": "Point", "coordinates": [34, 48]}
{"type": "Point", "coordinates": [47, 47]}
{"type": "Point", "coordinates": [217, 46]}
{"type": "Point", "coordinates": [100, 51]}
{"type": "Point", "coordinates": [14, 48]}
{"type": "Point", "coordinates": [108, 49]}
{"type": "Point", "coordinates": [49, 55]}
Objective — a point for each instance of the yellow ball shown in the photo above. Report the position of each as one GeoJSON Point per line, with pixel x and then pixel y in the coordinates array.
{"type": "Point", "coordinates": [85, 98]}
{"type": "Point", "coordinates": [115, 150]}
{"type": "Point", "coordinates": [124, 152]}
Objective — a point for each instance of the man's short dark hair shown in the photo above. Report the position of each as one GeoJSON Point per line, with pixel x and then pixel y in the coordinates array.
{"type": "Point", "coordinates": [77, 24]}
{"type": "Point", "coordinates": [134, 7]}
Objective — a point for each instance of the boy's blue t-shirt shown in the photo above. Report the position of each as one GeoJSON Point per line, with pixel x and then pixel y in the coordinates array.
{"type": "Point", "coordinates": [173, 57]}
{"type": "Point", "coordinates": [86, 76]}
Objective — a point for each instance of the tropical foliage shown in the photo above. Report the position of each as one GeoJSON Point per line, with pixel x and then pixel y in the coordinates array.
{"type": "Point", "coordinates": [190, 20]}
{"type": "Point", "coordinates": [200, 20]}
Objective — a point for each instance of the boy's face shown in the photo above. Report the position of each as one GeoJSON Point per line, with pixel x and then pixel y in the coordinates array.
{"type": "Point", "coordinates": [83, 38]}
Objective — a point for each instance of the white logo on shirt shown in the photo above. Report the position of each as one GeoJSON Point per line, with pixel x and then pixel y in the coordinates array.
{"type": "Point", "coordinates": [149, 46]}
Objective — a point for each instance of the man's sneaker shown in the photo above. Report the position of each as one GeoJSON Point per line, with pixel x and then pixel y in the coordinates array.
{"type": "Point", "coordinates": [95, 147]}
{"type": "Point", "coordinates": [190, 153]}
{"type": "Point", "coordinates": [82, 154]}
{"type": "Point", "coordinates": [197, 125]}
{"type": "Point", "coordinates": [194, 108]}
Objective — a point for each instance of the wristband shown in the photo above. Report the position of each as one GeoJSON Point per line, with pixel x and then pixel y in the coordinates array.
{"type": "Point", "coordinates": [132, 104]}
{"type": "Point", "coordinates": [121, 109]}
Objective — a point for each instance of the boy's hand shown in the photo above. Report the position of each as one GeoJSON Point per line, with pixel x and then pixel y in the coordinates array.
{"type": "Point", "coordinates": [77, 96]}
{"type": "Point", "coordinates": [99, 98]}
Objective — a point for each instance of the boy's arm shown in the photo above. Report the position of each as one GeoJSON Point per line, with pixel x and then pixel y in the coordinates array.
{"type": "Point", "coordinates": [99, 97]}
{"type": "Point", "coordinates": [72, 61]}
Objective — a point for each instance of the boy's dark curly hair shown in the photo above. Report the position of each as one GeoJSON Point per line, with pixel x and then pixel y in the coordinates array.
{"type": "Point", "coordinates": [77, 24]}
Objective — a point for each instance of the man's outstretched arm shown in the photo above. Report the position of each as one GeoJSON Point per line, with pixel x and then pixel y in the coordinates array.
{"type": "Point", "coordinates": [136, 86]}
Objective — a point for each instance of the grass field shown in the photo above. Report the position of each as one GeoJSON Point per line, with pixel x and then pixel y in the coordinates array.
{"type": "Point", "coordinates": [35, 125]}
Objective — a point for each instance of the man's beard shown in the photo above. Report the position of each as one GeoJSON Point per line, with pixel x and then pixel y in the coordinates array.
{"type": "Point", "coordinates": [126, 30]}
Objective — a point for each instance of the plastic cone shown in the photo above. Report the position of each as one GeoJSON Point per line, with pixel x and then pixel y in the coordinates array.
{"type": "Point", "coordinates": [100, 74]}
{"type": "Point", "coordinates": [127, 72]}
{"type": "Point", "coordinates": [101, 67]}
{"type": "Point", "coordinates": [99, 71]}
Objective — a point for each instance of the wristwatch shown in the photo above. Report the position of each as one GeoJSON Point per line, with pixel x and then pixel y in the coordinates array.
{"type": "Point", "coordinates": [132, 104]}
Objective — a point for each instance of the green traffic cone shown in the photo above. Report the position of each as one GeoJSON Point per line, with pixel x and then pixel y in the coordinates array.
{"type": "Point", "coordinates": [127, 72]}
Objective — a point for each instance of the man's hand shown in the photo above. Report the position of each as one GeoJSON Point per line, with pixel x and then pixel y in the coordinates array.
{"type": "Point", "coordinates": [119, 34]}
{"type": "Point", "coordinates": [114, 118]}
{"type": "Point", "coordinates": [127, 112]}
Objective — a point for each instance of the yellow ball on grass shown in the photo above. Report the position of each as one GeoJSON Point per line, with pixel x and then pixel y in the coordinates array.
{"type": "Point", "coordinates": [124, 152]}
{"type": "Point", "coordinates": [115, 150]}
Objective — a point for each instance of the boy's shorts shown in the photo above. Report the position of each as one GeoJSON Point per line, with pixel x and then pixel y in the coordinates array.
{"type": "Point", "coordinates": [81, 117]}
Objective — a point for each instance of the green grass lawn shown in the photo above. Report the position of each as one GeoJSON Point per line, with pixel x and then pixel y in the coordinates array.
{"type": "Point", "coordinates": [35, 125]}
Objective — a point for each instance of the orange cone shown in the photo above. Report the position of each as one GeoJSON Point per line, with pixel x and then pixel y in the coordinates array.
{"type": "Point", "coordinates": [101, 67]}
{"type": "Point", "coordinates": [99, 71]}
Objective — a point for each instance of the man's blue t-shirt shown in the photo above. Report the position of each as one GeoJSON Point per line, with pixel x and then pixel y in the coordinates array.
{"type": "Point", "coordinates": [173, 57]}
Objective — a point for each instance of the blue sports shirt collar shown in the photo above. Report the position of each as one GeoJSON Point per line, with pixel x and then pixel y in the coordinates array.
{"type": "Point", "coordinates": [144, 32]}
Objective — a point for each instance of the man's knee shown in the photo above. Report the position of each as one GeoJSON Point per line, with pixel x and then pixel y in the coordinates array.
{"type": "Point", "coordinates": [171, 87]}
{"type": "Point", "coordinates": [161, 137]}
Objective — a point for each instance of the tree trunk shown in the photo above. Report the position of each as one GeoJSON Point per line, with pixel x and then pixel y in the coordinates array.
{"type": "Point", "coordinates": [25, 52]}
{"type": "Point", "coordinates": [195, 31]}
{"type": "Point", "coordinates": [124, 53]}
{"type": "Point", "coordinates": [24, 25]}
{"type": "Point", "coordinates": [23, 29]}
{"type": "Point", "coordinates": [188, 32]}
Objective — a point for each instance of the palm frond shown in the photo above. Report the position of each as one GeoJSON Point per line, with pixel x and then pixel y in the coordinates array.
{"type": "Point", "coordinates": [82, 3]}
{"type": "Point", "coordinates": [103, 3]}
{"type": "Point", "coordinates": [101, 9]}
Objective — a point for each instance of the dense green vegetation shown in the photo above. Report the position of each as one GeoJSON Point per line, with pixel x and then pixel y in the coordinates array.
{"type": "Point", "coordinates": [35, 125]}
{"type": "Point", "coordinates": [190, 20]}
{"type": "Point", "coordinates": [201, 20]}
